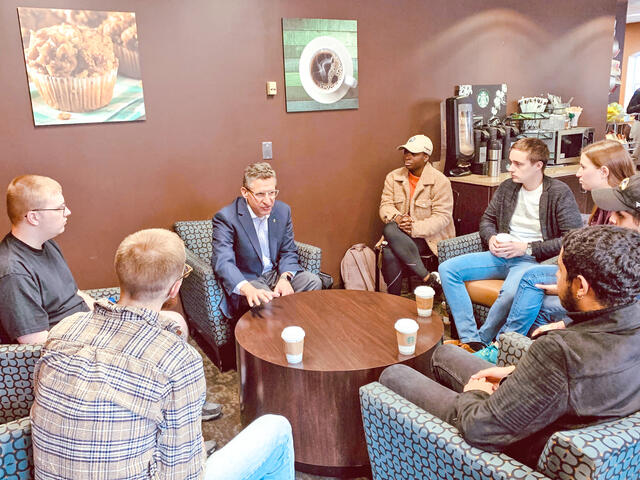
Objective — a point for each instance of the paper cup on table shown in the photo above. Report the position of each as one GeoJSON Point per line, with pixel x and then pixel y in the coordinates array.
{"type": "Point", "coordinates": [424, 300]}
{"type": "Point", "coordinates": [407, 334]}
{"type": "Point", "coordinates": [293, 343]}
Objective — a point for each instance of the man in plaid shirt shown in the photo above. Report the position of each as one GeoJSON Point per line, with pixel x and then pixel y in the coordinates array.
{"type": "Point", "coordinates": [119, 393]}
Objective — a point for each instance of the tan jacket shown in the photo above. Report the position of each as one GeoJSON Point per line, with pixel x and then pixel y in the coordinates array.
{"type": "Point", "coordinates": [431, 207]}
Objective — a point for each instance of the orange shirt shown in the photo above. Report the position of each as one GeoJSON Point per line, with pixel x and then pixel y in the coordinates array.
{"type": "Point", "coordinates": [413, 181]}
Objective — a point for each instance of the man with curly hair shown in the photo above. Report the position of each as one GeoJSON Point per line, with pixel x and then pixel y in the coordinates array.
{"type": "Point", "coordinates": [582, 375]}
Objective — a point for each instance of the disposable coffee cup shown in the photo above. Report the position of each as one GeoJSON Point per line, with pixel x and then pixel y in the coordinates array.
{"type": "Point", "coordinates": [424, 300]}
{"type": "Point", "coordinates": [505, 237]}
{"type": "Point", "coordinates": [293, 343]}
{"type": "Point", "coordinates": [407, 335]}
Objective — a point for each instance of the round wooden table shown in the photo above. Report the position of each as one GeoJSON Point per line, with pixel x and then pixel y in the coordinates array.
{"type": "Point", "coordinates": [349, 340]}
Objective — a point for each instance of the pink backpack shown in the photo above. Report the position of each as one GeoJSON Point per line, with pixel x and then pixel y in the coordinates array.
{"type": "Point", "coordinates": [358, 269]}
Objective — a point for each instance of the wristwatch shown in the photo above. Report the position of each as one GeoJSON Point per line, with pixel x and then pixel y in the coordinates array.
{"type": "Point", "coordinates": [528, 251]}
{"type": "Point", "coordinates": [287, 276]}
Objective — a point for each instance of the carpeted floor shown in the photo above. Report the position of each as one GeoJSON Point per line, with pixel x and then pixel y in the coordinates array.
{"type": "Point", "coordinates": [222, 387]}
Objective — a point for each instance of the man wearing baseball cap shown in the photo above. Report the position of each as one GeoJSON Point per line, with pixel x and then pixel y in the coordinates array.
{"type": "Point", "coordinates": [416, 207]}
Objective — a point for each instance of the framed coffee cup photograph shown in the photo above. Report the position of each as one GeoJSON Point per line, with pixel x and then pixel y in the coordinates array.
{"type": "Point", "coordinates": [321, 64]}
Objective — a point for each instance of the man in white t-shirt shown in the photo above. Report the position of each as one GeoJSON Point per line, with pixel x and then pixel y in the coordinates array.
{"type": "Point", "coordinates": [522, 225]}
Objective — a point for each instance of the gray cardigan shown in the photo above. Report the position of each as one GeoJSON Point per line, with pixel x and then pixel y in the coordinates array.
{"type": "Point", "coordinates": [559, 213]}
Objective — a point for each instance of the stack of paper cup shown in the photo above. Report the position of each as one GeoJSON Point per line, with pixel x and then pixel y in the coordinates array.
{"type": "Point", "coordinates": [293, 343]}
{"type": "Point", "coordinates": [407, 334]}
{"type": "Point", "coordinates": [424, 300]}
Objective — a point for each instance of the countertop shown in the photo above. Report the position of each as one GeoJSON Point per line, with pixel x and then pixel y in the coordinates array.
{"type": "Point", "coordinates": [484, 180]}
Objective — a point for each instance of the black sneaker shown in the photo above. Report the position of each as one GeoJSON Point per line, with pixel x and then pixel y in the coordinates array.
{"type": "Point", "coordinates": [434, 282]}
{"type": "Point", "coordinates": [211, 411]}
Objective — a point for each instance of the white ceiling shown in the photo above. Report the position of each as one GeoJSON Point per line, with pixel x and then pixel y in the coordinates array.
{"type": "Point", "coordinates": [633, 11]}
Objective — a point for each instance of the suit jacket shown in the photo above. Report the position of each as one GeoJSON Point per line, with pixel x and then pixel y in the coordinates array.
{"type": "Point", "coordinates": [431, 206]}
{"type": "Point", "coordinates": [236, 250]}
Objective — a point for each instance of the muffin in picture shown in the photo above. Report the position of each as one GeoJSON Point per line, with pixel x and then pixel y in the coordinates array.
{"type": "Point", "coordinates": [74, 68]}
{"type": "Point", "coordinates": [32, 19]}
{"type": "Point", "coordinates": [86, 18]}
{"type": "Point", "coordinates": [121, 28]}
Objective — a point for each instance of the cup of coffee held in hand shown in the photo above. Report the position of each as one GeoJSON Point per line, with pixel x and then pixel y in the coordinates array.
{"type": "Point", "coordinates": [293, 338]}
{"type": "Point", "coordinates": [407, 335]}
{"type": "Point", "coordinates": [505, 237]}
{"type": "Point", "coordinates": [424, 300]}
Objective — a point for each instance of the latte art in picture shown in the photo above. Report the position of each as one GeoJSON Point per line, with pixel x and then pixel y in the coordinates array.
{"type": "Point", "coordinates": [326, 69]}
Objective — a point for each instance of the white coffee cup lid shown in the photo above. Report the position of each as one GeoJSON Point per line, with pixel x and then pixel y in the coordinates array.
{"type": "Point", "coordinates": [505, 237]}
{"type": "Point", "coordinates": [292, 334]}
{"type": "Point", "coordinates": [424, 291]}
{"type": "Point", "coordinates": [407, 325]}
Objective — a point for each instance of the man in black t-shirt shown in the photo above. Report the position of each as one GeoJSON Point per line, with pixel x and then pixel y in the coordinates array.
{"type": "Point", "coordinates": [37, 288]}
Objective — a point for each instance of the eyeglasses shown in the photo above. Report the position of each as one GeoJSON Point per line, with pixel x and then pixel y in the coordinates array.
{"type": "Point", "coordinates": [263, 195]}
{"type": "Point", "coordinates": [61, 208]}
{"type": "Point", "coordinates": [186, 272]}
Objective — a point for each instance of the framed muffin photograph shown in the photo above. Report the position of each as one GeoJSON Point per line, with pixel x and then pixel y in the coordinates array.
{"type": "Point", "coordinates": [320, 64]}
{"type": "Point", "coordinates": [83, 66]}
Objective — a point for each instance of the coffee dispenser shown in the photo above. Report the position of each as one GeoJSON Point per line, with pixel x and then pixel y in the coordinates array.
{"type": "Point", "coordinates": [459, 136]}
{"type": "Point", "coordinates": [494, 153]}
{"type": "Point", "coordinates": [479, 162]}
{"type": "Point", "coordinates": [510, 134]}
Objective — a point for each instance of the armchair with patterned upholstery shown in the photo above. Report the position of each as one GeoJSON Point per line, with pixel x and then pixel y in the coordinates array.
{"type": "Point", "coordinates": [406, 442]}
{"type": "Point", "coordinates": [201, 293]}
{"type": "Point", "coordinates": [17, 364]}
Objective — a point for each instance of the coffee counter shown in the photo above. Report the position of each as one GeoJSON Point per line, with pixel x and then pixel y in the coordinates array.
{"type": "Point", "coordinates": [472, 194]}
{"type": "Point", "coordinates": [485, 180]}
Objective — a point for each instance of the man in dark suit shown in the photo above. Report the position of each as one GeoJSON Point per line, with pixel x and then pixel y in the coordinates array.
{"type": "Point", "coordinates": [254, 254]}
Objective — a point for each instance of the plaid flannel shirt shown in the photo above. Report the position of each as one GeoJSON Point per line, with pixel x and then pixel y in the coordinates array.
{"type": "Point", "coordinates": [118, 394]}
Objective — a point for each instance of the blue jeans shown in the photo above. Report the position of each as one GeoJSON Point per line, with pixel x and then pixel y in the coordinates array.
{"type": "Point", "coordinates": [531, 307]}
{"type": "Point", "coordinates": [263, 450]}
{"type": "Point", "coordinates": [551, 311]}
{"type": "Point", "coordinates": [481, 266]}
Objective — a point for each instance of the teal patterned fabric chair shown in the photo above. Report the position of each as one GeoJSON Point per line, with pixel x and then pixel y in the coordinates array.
{"type": "Point", "coordinates": [201, 293]}
{"type": "Point", "coordinates": [406, 442]}
{"type": "Point", "coordinates": [17, 364]}
{"type": "Point", "coordinates": [452, 247]}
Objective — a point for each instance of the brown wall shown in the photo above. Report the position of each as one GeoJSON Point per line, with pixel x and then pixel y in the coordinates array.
{"type": "Point", "coordinates": [631, 46]}
{"type": "Point", "coordinates": [205, 64]}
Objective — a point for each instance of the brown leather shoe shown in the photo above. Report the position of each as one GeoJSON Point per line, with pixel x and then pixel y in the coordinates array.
{"type": "Point", "coordinates": [458, 343]}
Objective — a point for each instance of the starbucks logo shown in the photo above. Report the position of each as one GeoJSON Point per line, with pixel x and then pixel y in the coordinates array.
{"type": "Point", "coordinates": [483, 98]}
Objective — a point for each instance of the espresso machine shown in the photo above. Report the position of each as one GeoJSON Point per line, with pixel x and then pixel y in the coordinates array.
{"type": "Point", "coordinates": [458, 130]}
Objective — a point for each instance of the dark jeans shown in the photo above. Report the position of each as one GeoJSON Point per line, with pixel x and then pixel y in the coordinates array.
{"type": "Point", "coordinates": [451, 366]}
{"type": "Point", "coordinates": [402, 251]}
